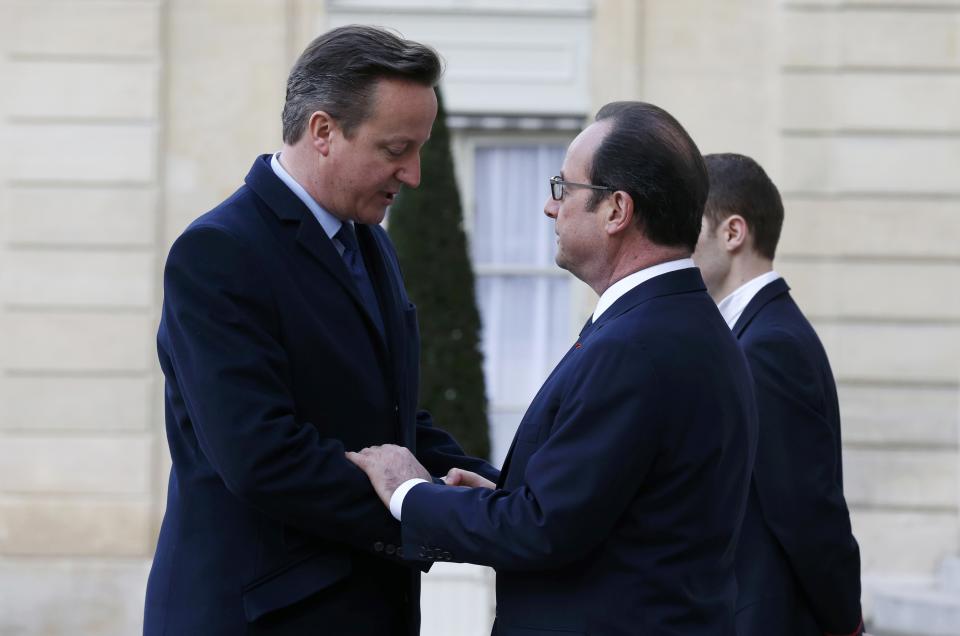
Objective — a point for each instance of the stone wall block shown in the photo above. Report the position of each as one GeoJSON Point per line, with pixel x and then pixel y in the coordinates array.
{"type": "Point", "coordinates": [904, 478]}
{"type": "Point", "coordinates": [72, 404]}
{"type": "Point", "coordinates": [102, 464]}
{"type": "Point", "coordinates": [84, 342]}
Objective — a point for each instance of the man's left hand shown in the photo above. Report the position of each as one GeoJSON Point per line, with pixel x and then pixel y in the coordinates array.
{"type": "Point", "coordinates": [387, 467]}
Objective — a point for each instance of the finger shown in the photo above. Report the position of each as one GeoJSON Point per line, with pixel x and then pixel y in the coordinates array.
{"type": "Point", "coordinates": [454, 477]}
{"type": "Point", "coordinates": [357, 458]}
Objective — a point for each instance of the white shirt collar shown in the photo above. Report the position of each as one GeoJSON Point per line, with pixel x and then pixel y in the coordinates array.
{"type": "Point", "coordinates": [625, 284]}
{"type": "Point", "coordinates": [733, 305]}
{"type": "Point", "coordinates": [329, 223]}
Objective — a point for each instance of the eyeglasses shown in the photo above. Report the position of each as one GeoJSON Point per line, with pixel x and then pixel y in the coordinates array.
{"type": "Point", "coordinates": [557, 185]}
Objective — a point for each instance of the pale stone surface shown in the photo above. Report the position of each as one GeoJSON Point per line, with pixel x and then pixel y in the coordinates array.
{"type": "Point", "coordinates": [876, 164]}
{"type": "Point", "coordinates": [905, 478]}
{"type": "Point", "coordinates": [97, 90]}
{"type": "Point", "coordinates": [72, 597]}
{"type": "Point", "coordinates": [45, 403]}
{"type": "Point", "coordinates": [880, 228]}
{"type": "Point", "coordinates": [101, 464]}
{"type": "Point", "coordinates": [41, 341]}
{"type": "Point", "coordinates": [870, 38]}
{"type": "Point", "coordinates": [535, 62]}
{"type": "Point", "coordinates": [917, 611]}
{"type": "Point", "coordinates": [871, 101]}
{"type": "Point", "coordinates": [221, 113]}
{"type": "Point", "coordinates": [92, 279]}
{"type": "Point", "coordinates": [903, 541]}
{"type": "Point", "coordinates": [830, 289]}
{"type": "Point", "coordinates": [81, 216]}
{"type": "Point", "coordinates": [96, 28]}
{"type": "Point", "coordinates": [465, 6]}
{"type": "Point", "coordinates": [55, 153]}
{"type": "Point", "coordinates": [457, 599]}
{"type": "Point", "coordinates": [713, 65]}
{"type": "Point", "coordinates": [75, 526]}
{"type": "Point", "coordinates": [892, 416]}
{"type": "Point", "coordinates": [617, 64]}
{"type": "Point", "coordinates": [907, 353]}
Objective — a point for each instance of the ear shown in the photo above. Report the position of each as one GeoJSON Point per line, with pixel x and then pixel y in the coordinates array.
{"type": "Point", "coordinates": [734, 232]}
{"type": "Point", "coordinates": [321, 129]}
{"type": "Point", "coordinates": [617, 211]}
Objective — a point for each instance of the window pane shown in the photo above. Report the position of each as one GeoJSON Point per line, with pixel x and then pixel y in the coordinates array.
{"type": "Point", "coordinates": [526, 330]}
{"type": "Point", "coordinates": [511, 188]}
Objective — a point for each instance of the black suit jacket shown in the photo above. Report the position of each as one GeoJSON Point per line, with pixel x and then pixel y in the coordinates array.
{"type": "Point", "coordinates": [273, 370]}
{"type": "Point", "coordinates": [619, 505]}
{"type": "Point", "coordinates": [798, 564]}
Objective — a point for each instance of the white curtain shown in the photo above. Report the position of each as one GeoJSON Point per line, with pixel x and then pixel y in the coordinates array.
{"type": "Point", "coordinates": [524, 299]}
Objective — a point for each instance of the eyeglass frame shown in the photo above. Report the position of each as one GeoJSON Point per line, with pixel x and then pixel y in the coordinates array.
{"type": "Point", "coordinates": [558, 181]}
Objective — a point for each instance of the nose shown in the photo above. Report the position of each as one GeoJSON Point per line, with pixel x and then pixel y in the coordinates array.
{"type": "Point", "coordinates": [409, 172]}
{"type": "Point", "coordinates": [551, 207]}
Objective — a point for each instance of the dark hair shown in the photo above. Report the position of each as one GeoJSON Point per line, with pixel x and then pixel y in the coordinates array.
{"type": "Point", "coordinates": [649, 155]}
{"type": "Point", "coordinates": [738, 185]}
{"type": "Point", "coordinates": [338, 71]}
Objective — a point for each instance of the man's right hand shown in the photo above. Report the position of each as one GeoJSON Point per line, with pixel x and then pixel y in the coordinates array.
{"type": "Point", "coordinates": [460, 477]}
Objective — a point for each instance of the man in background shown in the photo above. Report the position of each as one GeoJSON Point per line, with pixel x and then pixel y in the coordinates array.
{"type": "Point", "coordinates": [619, 503]}
{"type": "Point", "coordinates": [286, 339]}
{"type": "Point", "coordinates": [798, 564]}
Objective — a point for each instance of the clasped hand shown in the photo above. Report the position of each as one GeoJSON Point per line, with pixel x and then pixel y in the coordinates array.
{"type": "Point", "coordinates": [388, 466]}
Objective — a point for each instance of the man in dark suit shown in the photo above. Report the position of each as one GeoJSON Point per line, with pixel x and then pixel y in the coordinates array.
{"type": "Point", "coordinates": [618, 507]}
{"type": "Point", "coordinates": [286, 339]}
{"type": "Point", "coordinates": [798, 565]}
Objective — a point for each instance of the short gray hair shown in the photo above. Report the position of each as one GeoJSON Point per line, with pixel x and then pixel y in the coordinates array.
{"type": "Point", "coordinates": [338, 72]}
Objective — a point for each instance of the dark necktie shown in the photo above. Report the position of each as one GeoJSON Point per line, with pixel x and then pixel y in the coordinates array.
{"type": "Point", "coordinates": [358, 272]}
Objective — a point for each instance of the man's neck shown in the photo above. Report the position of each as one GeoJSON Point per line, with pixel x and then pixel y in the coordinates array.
{"type": "Point", "coordinates": [742, 271]}
{"type": "Point", "coordinates": [295, 159]}
{"type": "Point", "coordinates": [634, 258]}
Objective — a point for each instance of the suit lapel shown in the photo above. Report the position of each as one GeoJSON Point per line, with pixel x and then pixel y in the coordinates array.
{"type": "Point", "coordinates": [310, 234]}
{"type": "Point", "coordinates": [676, 282]}
{"type": "Point", "coordinates": [767, 293]}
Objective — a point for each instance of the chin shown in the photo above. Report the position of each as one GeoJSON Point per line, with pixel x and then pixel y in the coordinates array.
{"type": "Point", "coordinates": [373, 217]}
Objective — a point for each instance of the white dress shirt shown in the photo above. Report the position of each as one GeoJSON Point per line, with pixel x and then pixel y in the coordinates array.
{"type": "Point", "coordinates": [733, 305]}
{"type": "Point", "coordinates": [607, 298]}
{"type": "Point", "coordinates": [625, 284]}
{"type": "Point", "coordinates": [329, 223]}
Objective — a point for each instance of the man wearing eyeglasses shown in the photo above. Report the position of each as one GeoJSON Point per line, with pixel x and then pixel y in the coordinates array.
{"type": "Point", "coordinates": [618, 507]}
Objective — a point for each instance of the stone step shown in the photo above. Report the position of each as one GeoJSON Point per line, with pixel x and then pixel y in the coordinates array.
{"type": "Point", "coordinates": [929, 609]}
{"type": "Point", "coordinates": [949, 575]}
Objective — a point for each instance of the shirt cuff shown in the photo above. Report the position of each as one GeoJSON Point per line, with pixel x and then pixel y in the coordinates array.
{"type": "Point", "coordinates": [396, 500]}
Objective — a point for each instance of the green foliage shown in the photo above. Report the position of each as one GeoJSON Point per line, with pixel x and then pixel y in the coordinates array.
{"type": "Point", "coordinates": [426, 225]}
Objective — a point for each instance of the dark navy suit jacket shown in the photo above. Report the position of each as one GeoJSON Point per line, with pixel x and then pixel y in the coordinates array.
{"type": "Point", "coordinates": [619, 505]}
{"type": "Point", "coordinates": [798, 565]}
{"type": "Point", "coordinates": [273, 370]}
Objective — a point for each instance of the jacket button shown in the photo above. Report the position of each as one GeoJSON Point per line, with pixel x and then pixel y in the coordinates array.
{"type": "Point", "coordinates": [378, 546]}
{"type": "Point", "coordinates": [390, 549]}
{"type": "Point", "coordinates": [399, 551]}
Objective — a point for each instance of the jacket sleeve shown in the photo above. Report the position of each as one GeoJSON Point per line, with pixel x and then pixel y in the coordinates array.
{"type": "Point", "coordinates": [797, 477]}
{"type": "Point", "coordinates": [221, 327]}
{"type": "Point", "coordinates": [569, 501]}
{"type": "Point", "coordinates": [438, 451]}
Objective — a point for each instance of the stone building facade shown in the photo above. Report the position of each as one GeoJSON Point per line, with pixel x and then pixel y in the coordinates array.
{"type": "Point", "coordinates": [122, 120]}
